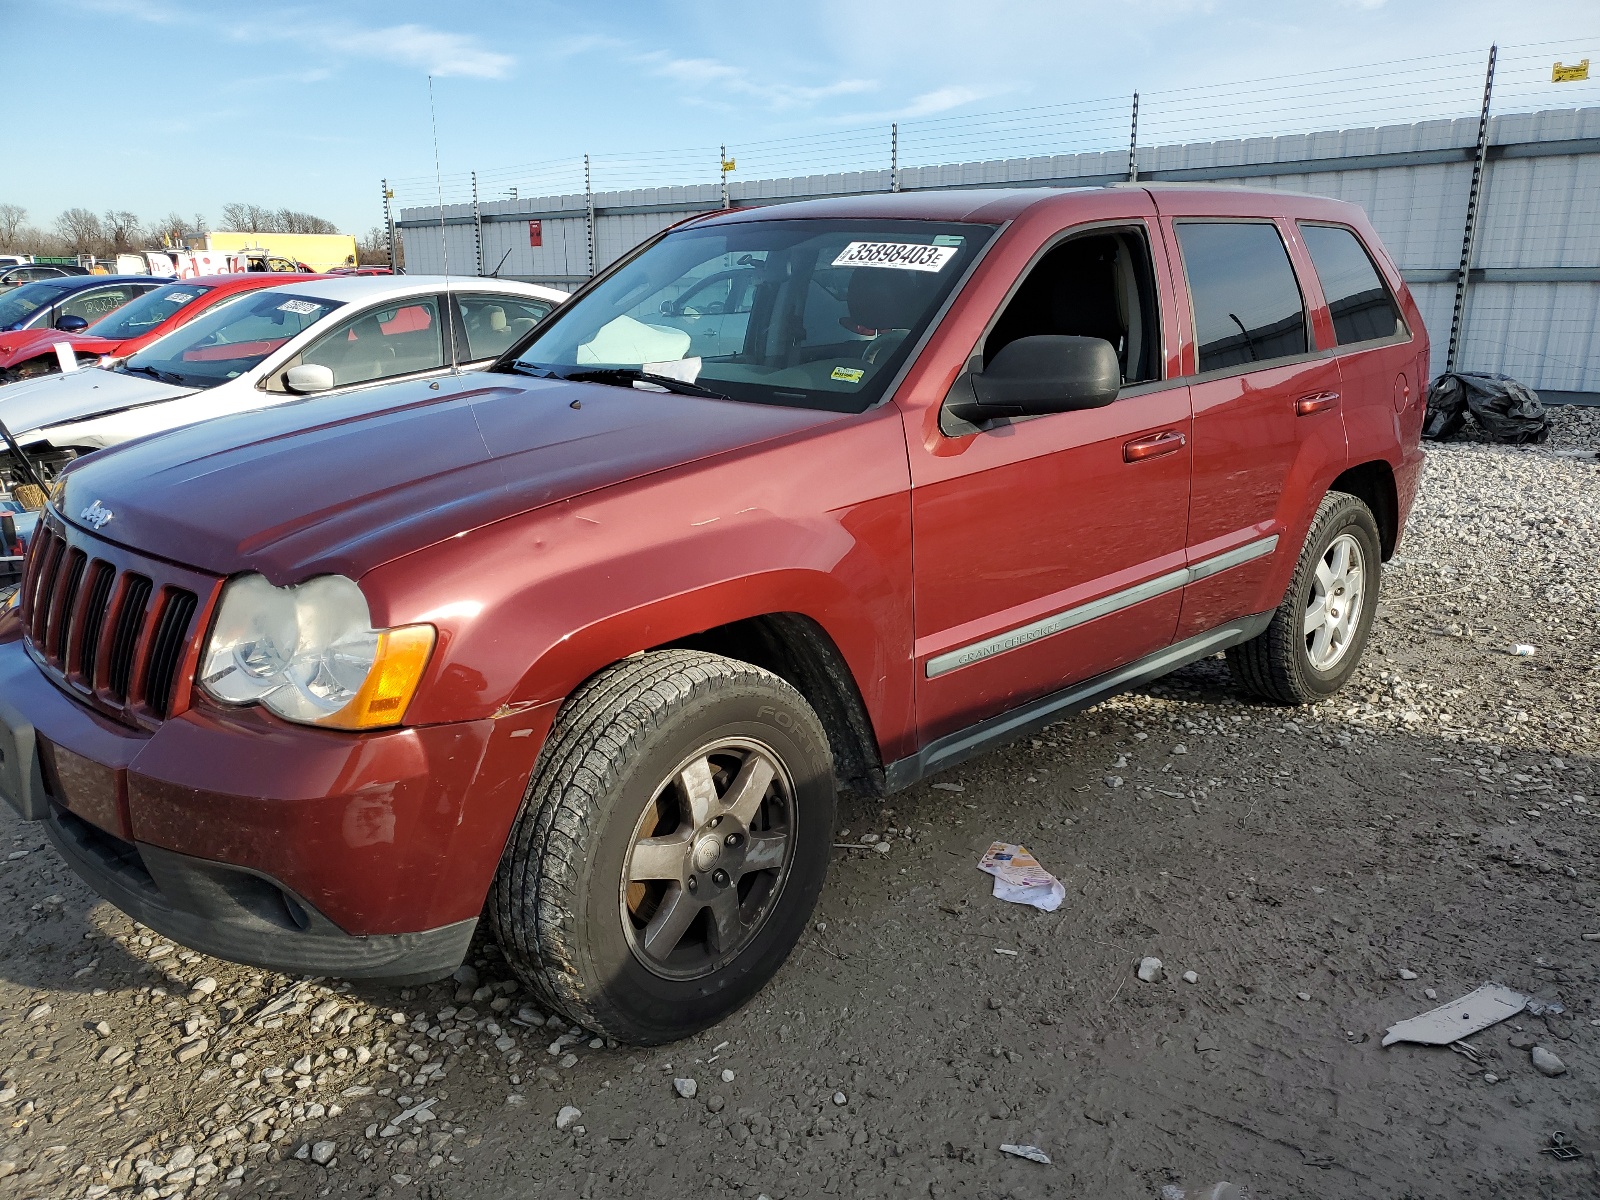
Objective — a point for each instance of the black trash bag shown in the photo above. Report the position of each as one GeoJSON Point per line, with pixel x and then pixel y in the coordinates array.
{"type": "Point", "coordinates": [1506, 410]}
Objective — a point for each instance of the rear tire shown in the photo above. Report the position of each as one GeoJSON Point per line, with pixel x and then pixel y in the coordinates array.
{"type": "Point", "coordinates": [670, 848]}
{"type": "Point", "coordinates": [1319, 632]}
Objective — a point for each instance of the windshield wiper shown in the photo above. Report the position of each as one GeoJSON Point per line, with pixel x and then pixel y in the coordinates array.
{"type": "Point", "coordinates": [628, 376]}
{"type": "Point", "coordinates": [158, 376]}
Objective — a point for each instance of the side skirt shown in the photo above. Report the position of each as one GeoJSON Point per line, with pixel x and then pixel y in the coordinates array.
{"type": "Point", "coordinates": [963, 744]}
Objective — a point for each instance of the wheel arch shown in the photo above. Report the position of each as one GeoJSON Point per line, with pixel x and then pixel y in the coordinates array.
{"type": "Point", "coordinates": [1373, 483]}
{"type": "Point", "coordinates": [800, 651]}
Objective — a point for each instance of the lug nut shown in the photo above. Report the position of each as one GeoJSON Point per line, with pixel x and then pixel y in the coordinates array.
{"type": "Point", "coordinates": [733, 839]}
{"type": "Point", "coordinates": [694, 883]}
{"type": "Point", "coordinates": [719, 877]}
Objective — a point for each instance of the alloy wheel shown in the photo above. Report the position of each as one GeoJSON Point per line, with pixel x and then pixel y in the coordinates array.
{"type": "Point", "coordinates": [1333, 612]}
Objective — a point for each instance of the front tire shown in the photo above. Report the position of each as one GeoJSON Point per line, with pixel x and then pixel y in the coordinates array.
{"type": "Point", "coordinates": [671, 846]}
{"type": "Point", "coordinates": [1319, 632]}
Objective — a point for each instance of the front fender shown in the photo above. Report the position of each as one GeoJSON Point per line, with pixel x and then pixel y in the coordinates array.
{"type": "Point", "coordinates": [529, 607]}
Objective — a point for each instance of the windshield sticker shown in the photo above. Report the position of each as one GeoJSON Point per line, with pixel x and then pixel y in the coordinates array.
{"type": "Point", "coordinates": [847, 374]}
{"type": "Point", "coordinates": [303, 308]}
{"type": "Point", "coordinates": [685, 370]}
{"type": "Point", "coordinates": [901, 256]}
{"type": "Point", "coordinates": [181, 297]}
{"type": "Point", "coordinates": [949, 239]}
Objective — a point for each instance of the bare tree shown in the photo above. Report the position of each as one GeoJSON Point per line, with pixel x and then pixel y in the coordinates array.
{"type": "Point", "coordinates": [81, 230]}
{"type": "Point", "coordinates": [289, 221]}
{"type": "Point", "coordinates": [253, 218]}
{"type": "Point", "coordinates": [169, 230]}
{"type": "Point", "coordinates": [11, 218]}
{"type": "Point", "coordinates": [373, 249]}
{"type": "Point", "coordinates": [201, 225]}
{"type": "Point", "coordinates": [122, 230]}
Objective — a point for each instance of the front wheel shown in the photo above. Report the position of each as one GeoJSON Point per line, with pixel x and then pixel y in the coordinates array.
{"type": "Point", "coordinates": [1319, 632]}
{"type": "Point", "coordinates": [671, 846]}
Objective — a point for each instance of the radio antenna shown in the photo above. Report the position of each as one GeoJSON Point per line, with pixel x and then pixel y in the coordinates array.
{"type": "Point", "coordinates": [444, 244]}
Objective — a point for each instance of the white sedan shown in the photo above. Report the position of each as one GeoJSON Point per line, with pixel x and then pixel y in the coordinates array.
{"type": "Point", "coordinates": [272, 346]}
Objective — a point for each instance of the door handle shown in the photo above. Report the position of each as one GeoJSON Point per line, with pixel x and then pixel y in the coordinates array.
{"type": "Point", "coordinates": [1315, 403]}
{"type": "Point", "coordinates": [1152, 447]}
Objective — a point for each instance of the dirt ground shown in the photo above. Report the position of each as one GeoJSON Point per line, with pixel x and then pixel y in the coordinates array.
{"type": "Point", "coordinates": [1433, 827]}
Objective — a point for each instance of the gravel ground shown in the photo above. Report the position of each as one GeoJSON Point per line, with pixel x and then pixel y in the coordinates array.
{"type": "Point", "coordinates": [1324, 872]}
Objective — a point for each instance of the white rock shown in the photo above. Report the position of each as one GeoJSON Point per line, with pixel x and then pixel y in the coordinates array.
{"type": "Point", "coordinates": [205, 985]}
{"type": "Point", "coordinates": [322, 1152]}
{"type": "Point", "coordinates": [567, 1116]}
{"type": "Point", "coordinates": [1546, 1063]}
{"type": "Point", "coordinates": [685, 1088]}
{"type": "Point", "coordinates": [1405, 974]}
{"type": "Point", "coordinates": [1150, 969]}
{"type": "Point", "coordinates": [840, 1099]}
{"type": "Point", "coordinates": [1190, 977]}
{"type": "Point", "coordinates": [727, 1076]}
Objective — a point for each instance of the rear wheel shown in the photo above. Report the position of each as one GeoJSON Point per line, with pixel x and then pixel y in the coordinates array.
{"type": "Point", "coordinates": [671, 846]}
{"type": "Point", "coordinates": [1319, 632]}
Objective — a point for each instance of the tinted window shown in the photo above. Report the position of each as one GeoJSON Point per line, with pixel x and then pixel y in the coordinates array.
{"type": "Point", "coordinates": [1361, 306]}
{"type": "Point", "coordinates": [26, 301]}
{"type": "Point", "coordinates": [1247, 306]}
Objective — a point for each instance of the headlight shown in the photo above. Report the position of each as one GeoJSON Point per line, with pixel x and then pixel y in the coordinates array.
{"type": "Point", "coordinates": [310, 654]}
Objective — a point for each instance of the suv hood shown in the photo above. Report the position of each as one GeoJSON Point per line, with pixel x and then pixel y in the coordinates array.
{"type": "Point", "coordinates": [345, 483]}
{"type": "Point", "coordinates": [35, 404]}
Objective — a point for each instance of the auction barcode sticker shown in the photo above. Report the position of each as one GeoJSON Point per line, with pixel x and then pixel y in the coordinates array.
{"type": "Point", "coordinates": [303, 307]}
{"type": "Point", "coordinates": [901, 256]}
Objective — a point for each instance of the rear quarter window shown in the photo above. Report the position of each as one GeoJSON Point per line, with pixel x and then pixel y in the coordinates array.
{"type": "Point", "coordinates": [1362, 308]}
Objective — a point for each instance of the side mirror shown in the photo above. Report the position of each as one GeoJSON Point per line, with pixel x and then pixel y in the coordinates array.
{"type": "Point", "coordinates": [1045, 373]}
{"type": "Point", "coordinates": [308, 377]}
{"type": "Point", "coordinates": [71, 324]}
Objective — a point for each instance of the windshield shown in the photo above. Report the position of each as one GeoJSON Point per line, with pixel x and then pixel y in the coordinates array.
{"type": "Point", "coordinates": [229, 339]}
{"type": "Point", "coordinates": [21, 303]}
{"type": "Point", "coordinates": [139, 317]}
{"type": "Point", "coordinates": [808, 314]}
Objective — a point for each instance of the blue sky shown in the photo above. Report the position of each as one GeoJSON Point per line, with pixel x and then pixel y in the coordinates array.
{"type": "Point", "coordinates": [158, 105]}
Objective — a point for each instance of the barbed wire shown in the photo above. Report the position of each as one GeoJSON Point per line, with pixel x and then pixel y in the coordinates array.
{"type": "Point", "coordinates": [1443, 86]}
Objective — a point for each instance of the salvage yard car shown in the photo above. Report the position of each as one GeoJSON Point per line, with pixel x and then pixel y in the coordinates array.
{"type": "Point", "coordinates": [70, 303]}
{"type": "Point", "coordinates": [125, 330]}
{"type": "Point", "coordinates": [317, 336]}
{"type": "Point", "coordinates": [588, 643]}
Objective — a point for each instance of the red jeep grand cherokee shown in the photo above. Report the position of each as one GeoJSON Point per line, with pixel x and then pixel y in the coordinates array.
{"type": "Point", "coordinates": [829, 494]}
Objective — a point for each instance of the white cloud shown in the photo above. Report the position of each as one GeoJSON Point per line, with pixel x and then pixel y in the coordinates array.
{"type": "Point", "coordinates": [432, 50]}
{"type": "Point", "coordinates": [720, 81]}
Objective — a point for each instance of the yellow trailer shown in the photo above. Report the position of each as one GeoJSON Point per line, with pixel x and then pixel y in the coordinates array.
{"type": "Point", "coordinates": [319, 251]}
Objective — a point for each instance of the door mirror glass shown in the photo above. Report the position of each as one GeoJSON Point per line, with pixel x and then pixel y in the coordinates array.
{"type": "Point", "coordinates": [71, 324]}
{"type": "Point", "coordinates": [308, 377]}
{"type": "Point", "coordinates": [1044, 373]}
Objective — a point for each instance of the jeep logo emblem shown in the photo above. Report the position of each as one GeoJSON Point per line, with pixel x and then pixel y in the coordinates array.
{"type": "Point", "coordinates": [96, 515]}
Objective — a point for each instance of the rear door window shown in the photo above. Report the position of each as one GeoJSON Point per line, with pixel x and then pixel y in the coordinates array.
{"type": "Point", "coordinates": [494, 323]}
{"type": "Point", "coordinates": [1247, 305]}
{"type": "Point", "coordinates": [381, 343]}
{"type": "Point", "coordinates": [1360, 304]}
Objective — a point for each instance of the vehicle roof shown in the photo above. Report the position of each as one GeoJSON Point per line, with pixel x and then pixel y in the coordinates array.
{"type": "Point", "coordinates": [348, 288]}
{"type": "Point", "coordinates": [994, 205]}
{"type": "Point", "coordinates": [233, 281]}
{"type": "Point", "coordinates": [83, 281]}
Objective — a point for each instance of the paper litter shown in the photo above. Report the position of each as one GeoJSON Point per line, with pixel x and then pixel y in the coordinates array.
{"type": "Point", "coordinates": [1019, 879]}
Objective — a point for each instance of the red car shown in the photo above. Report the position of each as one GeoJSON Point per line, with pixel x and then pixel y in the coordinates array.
{"type": "Point", "coordinates": [589, 641]}
{"type": "Point", "coordinates": [132, 327]}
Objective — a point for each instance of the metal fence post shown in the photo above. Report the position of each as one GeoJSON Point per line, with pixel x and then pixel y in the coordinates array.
{"type": "Point", "coordinates": [588, 204]}
{"type": "Point", "coordinates": [477, 223]}
{"type": "Point", "coordinates": [722, 165]}
{"type": "Point", "coordinates": [1133, 143]}
{"type": "Point", "coordinates": [1469, 234]}
{"type": "Point", "coordinates": [388, 226]}
{"type": "Point", "coordinates": [894, 157]}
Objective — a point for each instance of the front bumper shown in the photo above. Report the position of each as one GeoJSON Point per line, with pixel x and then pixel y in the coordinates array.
{"type": "Point", "coordinates": [299, 849]}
